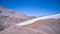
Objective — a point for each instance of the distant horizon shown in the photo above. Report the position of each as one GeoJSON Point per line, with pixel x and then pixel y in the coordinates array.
{"type": "Point", "coordinates": [31, 7]}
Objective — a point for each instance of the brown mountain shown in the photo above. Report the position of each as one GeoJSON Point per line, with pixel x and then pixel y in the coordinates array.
{"type": "Point", "coordinates": [10, 17]}
{"type": "Point", "coordinates": [45, 26]}
{"type": "Point", "coordinates": [48, 26]}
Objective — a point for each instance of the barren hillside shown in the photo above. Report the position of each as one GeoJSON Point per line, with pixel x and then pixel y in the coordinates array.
{"type": "Point", "coordinates": [10, 17]}
{"type": "Point", "coordinates": [12, 22]}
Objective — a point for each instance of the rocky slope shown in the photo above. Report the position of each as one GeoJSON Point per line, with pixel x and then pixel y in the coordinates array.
{"type": "Point", "coordinates": [10, 17]}
{"type": "Point", "coordinates": [23, 24]}
{"type": "Point", "coordinates": [41, 26]}
{"type": "Point", "coordinates": [48, 26]}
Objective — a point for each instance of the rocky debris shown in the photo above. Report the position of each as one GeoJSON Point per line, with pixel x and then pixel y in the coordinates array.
{"type": "Point", "coordinates": [50, 26]}
{"type": "Point", "coordinates": [21, 30]}
{"type": "Point", "coordinates": [10, 17]}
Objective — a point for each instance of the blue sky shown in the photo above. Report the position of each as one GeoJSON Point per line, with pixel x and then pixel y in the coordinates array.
{"type": "Point", "coordinates": [33, 7]}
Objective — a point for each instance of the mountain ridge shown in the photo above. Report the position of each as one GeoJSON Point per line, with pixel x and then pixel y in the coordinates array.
{"type": "Point", "coordinates": [14, 23]}
{"type": "Point", "coordinates": [10, 17]}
